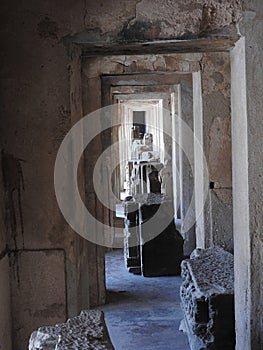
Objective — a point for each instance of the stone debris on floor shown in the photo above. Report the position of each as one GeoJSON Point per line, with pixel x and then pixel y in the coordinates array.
{"type": "Point", "coordinates": [86, 331]}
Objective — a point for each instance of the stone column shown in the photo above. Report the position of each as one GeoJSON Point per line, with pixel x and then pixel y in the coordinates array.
{"type": "Point", "coordinates": [247, 129]}
{"type": "Point", "coordinates": [199, 160]}
{"type": "Point", "coordinates": [186, 173]}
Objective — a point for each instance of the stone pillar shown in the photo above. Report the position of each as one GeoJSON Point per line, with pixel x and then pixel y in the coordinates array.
{"type": "Point", "coordinates": [199, 176]}
{"type": "Point", "coordinates": [247, 129]}
{"type": "Point", "coordinates": [91, 101]}
{"type": "Point", "coordinates": [186, 172]}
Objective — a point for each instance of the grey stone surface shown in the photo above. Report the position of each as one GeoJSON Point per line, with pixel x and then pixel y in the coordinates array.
{"type": "Point", "coordinates": [86, 331]}
{"type": "Point", "coordinates": [213, 271]}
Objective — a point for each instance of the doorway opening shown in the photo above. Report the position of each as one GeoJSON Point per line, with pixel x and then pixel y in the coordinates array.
{"type": "Point", "coordinates": [183, 92]}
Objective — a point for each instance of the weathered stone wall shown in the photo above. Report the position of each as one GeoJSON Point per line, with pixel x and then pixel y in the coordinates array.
{"type": "Point", "coordinates": [217, 148]}
{"type": "Point", "coordinates": [5, 315]}
{"type": "Point", "coordinates": [38, 281]}
{"type": "Point", "coordinates": [35, 112]}
{"type": "Point", "coordinates": [137, 20]}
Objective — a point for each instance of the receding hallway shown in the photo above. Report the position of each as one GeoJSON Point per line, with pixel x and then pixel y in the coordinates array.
{"type": "Point", "coordinates": [142, 313]}
{"type": "Point", "coordinates": [73, 77]}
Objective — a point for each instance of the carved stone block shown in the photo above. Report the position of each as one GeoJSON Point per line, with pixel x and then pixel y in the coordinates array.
{"type": "Point", "coordinates": [207, 295]}
{"type": "Point", "coordinates": [86, 331]}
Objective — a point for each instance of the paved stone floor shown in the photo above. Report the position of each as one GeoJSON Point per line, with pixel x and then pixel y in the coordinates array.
{"type": "Point", "coordinates": [142, 313]}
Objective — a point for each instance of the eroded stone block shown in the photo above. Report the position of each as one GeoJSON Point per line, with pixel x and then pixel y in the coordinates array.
{"type": "Point", "coordinates": [207, 295]}
{"type": "Point", "coordinates": [86, 331]}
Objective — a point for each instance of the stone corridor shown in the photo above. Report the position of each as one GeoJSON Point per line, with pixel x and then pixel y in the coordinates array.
{"type": "Point", "coordinates": [202, 62]}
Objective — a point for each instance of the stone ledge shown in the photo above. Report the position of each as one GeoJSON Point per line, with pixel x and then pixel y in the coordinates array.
{"type": "Point", "coordinates": [208, 44]}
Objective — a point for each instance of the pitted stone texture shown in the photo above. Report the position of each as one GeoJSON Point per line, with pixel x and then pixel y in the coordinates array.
{"type": "Point", "coordinates": [207, 295]}
{"type": "Point", "coordinates": [146, 20]}
{"type": "Point", "coordinates": [212, 270]}
{"type": "Point", "coordinates": [154, 198]}
{"type": "Point", "coordinates": [86, 331]}
{"type": "Point", "coordinates": [183, 19]}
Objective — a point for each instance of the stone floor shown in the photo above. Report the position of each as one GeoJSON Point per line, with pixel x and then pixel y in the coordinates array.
{"type": "Point", "coordinates": [142, 313]}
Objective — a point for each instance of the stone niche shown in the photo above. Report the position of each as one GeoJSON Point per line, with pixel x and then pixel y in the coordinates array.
{"type": "Point", "coordinates": [207, 299]}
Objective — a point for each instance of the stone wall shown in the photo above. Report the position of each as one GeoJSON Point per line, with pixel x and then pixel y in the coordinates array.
{"type": "Point", "coordinates": [35, 110]}
{"type": "Point", "coordinates": [149, 20]}
{"type": "Point", "coordinates": [5, 315]}
{"type": "Point", "coordinates": [215, 75]}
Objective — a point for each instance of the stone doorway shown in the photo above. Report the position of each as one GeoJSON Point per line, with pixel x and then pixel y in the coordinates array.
{"type": "Point", "coordinates": [219, 204]}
